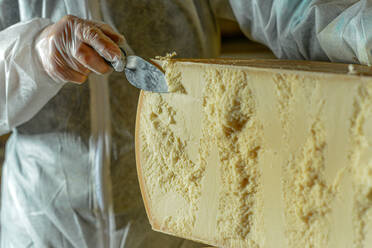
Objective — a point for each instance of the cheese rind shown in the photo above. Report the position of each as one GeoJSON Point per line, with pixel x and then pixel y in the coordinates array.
{"type": "Point", "coordinates": [259, 157]}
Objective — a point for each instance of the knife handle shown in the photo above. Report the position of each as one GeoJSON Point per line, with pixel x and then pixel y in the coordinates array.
{"type": "Point", "coordinates": [123, 51]}
{"type": "Point", "coordinates": [118, 66]}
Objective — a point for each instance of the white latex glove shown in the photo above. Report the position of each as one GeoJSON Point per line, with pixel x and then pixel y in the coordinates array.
{"type": "Point", "coordinates": [72, 48]}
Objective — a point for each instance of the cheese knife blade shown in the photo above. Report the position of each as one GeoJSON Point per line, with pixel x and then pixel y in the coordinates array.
{"type": "Point", "coordinates": [141, 73]}
{"type": "Point", "coordinates": [144, 75]}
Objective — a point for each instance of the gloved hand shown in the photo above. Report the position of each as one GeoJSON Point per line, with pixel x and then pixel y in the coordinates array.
{"type": "Point", "coordinates": [72, 48]}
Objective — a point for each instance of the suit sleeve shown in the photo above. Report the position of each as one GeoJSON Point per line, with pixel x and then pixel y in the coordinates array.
{"type": "Point", "coordinates": [24, 87]}
{"type": "Point", "coordinates": [336, 30]}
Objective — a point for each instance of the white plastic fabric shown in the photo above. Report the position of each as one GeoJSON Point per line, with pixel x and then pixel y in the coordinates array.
{"type": "Point", "coordinates": [335, 30]}
{"type": "Point", "coordinates": [57, 190]}
{"type": "Point", "coordinates": [56, 182]}
{"type": "Point", "coordinates": [56, 186]}
{"type": "Point", "coordinates": [33, 89]}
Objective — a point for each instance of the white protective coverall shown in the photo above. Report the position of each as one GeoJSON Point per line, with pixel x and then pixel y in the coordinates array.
{"type": "Point", "coordinates": [57, 190]}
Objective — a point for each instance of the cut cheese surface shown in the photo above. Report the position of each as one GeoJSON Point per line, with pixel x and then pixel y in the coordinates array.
{"type": "Point", "coordinates": [259, 153]}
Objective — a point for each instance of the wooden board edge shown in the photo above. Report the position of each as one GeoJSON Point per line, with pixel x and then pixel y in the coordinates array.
{"type": "Point", "coordinates": [141, 181]}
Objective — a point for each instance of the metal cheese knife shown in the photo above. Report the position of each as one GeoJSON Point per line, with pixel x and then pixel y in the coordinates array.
{"type": "Point", "coordinates": [143, 74]}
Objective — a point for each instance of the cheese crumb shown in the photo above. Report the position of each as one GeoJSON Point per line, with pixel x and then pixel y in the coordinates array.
{"type": "Point", "coordinates": [351, 69]}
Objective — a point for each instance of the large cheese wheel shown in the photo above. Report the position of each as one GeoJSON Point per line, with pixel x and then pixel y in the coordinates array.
{"type": "Point", "coordinates": [259, 153]}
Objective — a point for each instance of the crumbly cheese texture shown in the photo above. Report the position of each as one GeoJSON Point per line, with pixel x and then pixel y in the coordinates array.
{"type": "Point", "coordinates": [258, 157]}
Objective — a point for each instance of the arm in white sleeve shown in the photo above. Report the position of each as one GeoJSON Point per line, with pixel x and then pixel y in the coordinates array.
{"type": "Point", "coordinates": [337, 30]}
{"type": "Point", "coordinates": [24, 87]}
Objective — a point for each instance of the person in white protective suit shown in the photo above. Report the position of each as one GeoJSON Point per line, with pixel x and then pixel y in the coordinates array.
{"type": "Point", "coordinates": [57, 190]}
